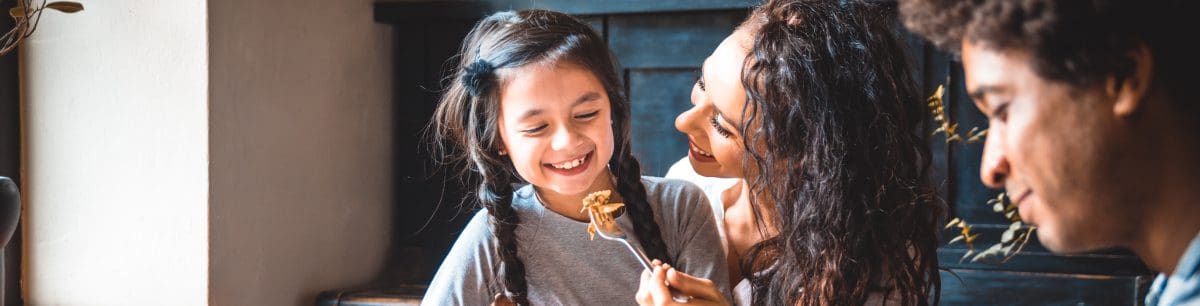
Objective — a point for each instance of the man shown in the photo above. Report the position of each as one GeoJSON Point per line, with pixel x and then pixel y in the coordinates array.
{"type": "Point", "coordinates": [1092, 129]}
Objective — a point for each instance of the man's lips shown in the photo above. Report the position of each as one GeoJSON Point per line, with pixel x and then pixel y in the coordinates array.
{"type": "Point", "coordinates": [1020, 198]}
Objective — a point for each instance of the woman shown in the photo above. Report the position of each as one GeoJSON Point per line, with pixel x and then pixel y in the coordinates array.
{"type": "Point", "coordinates": [811, 105]}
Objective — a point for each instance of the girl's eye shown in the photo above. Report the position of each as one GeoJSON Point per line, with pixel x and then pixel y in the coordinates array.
{"type": "Point", "coordinates": [587, 115]}
{"type": "Point", "coordinates": [720, 130]}
{"type": "Point", "coordinates": [700, 82]}
{"type": "Point", "coordinates": [536, 129]}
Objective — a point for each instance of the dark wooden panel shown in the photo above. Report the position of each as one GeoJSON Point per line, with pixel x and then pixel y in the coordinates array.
{"type": "Point", "coordinates": [658, 95]}
{"type": "Point", "coordinates": [597, 23]}
{"type": "Point", "coordinates": [669, 41]}
{"type": "Point", "coordinates": [929, 71]}
{"type": "Point", "coordinates": [1036, 258]}
{"type": "Point", "coordinates": [428, 214]}
{"type": "Point", "coordinates": [972, 287]}
{"type": "Point", "coordinates": [10, 162]}
{"type": "Point", "coordinates": [419, 9]}
{"type": "Point", "coordinates": [413, 12]}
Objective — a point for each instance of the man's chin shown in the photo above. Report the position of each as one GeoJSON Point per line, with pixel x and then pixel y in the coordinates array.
{"type": "Point", "coordinates": [1057, 242]}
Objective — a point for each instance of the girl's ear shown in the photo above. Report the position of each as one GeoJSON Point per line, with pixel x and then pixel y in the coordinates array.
{"type": "Point", "coordinates": [503, 152]}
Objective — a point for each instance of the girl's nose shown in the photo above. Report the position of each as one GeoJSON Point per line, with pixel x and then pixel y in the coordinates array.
{"type": "Point", "coordinates": [564, 138]}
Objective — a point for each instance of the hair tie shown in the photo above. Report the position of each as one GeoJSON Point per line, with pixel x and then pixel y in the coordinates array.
{"type": "Point", "coordinates": [478, 77]}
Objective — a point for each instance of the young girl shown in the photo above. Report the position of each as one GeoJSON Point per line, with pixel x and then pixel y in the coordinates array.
{"type": "Point", "coordinates": [537, 113]}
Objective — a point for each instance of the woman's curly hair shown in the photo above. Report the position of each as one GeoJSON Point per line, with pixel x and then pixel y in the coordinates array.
{"type": "Point", "coordinates": [835, 133]}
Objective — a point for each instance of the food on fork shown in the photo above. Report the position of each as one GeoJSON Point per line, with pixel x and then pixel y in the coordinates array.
{"type": "Point", "coordinates": [601, 211]}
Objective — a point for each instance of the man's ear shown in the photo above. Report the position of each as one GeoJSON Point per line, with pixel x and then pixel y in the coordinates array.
{"type": "Point", "coordinates": [1129, 93]}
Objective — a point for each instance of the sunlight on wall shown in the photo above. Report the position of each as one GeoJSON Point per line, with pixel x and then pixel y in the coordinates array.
{"type": "Point", "coordinates": [116, 140]}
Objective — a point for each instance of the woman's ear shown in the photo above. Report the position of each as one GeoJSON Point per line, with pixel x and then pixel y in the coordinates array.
{"type": "Point", "coordinates": [1129, 93]}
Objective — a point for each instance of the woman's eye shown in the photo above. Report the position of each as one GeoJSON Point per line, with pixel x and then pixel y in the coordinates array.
{"type": "Point", "coordinates": [720, 129]}
{"type": "Point", "coordinates": [587, 115]}
{"type": "Point", "coordinates": [700, 82]}
{"type": "Point", "coordinates": [536, 129]}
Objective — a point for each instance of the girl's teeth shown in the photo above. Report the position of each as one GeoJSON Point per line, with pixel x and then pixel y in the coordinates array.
{"type": "Point", "coordinates": [570, 164]}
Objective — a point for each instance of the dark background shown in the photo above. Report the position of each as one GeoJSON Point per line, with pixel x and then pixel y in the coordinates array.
{"type": "Point", "coordinates": [10, 155]}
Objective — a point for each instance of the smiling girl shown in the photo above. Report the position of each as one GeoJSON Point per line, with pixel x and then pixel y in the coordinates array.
{"type": "Point", "coordinates": [537, 114]}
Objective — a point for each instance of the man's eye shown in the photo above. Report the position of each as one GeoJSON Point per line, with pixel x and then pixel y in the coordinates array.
{"type": "Point", "coordinates": [1001, 112]}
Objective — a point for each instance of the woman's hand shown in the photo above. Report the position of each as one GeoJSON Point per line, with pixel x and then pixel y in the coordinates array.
{"type": "Point", "coordinates": [653, 289]}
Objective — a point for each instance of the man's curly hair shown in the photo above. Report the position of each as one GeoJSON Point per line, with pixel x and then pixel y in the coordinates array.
{"type": "Point", "coordinates": [1080, 42]}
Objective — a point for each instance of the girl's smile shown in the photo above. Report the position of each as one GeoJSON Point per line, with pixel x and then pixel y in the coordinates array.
{"type": "Point", "coordinates": [570, 167]}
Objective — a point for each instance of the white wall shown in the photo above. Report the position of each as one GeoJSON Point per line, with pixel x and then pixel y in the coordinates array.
{"type": "Point", "coordinates": [224, 152]}
{"type": "Point", "coordinates": [301, 148]}
{"type": "Point", "coordinates": [116, 160]}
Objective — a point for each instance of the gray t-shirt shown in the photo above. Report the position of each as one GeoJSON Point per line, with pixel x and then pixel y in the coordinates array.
{"type": "Point", "coordinates": [563, 267]}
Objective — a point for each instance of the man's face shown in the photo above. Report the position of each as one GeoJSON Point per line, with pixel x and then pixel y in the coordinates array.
{"type": "Point", "coordinates": [1057, 148]}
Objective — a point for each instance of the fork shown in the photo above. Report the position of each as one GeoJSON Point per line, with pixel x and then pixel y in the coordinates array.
{"type": "Point", "coordinates": [610, 231]}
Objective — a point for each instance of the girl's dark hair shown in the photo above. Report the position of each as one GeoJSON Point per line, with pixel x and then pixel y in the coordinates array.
{"type": "Point", "coordinates": [834, 131]}
{"type": "Point", "coordinates": [466, 124]}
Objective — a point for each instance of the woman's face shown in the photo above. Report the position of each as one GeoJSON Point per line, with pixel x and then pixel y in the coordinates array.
{"type": "Point", "coordinates": [713, 124]}
{"type": "Point", "coordinates": [556, 124]}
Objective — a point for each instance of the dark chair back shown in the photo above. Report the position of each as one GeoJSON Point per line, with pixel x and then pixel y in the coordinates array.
{"type": "Point", "coordinates": [10, 214]}
{"type": "Point", "coordinates": [10, 210]}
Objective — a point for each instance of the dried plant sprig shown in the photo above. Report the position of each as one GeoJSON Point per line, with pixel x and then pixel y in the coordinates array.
{"type": "Point", "coordinates": [27, 16]}
{"type": "Point", "coordinates": [937, 107]}
{"type": "Point", "coordinates": [976, 135]}
{"type": "Point", "coordinates": [1012, 241]}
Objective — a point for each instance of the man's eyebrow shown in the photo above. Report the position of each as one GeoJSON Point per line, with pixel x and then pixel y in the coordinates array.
{"type": "Point", "coordinates": [982, 91]}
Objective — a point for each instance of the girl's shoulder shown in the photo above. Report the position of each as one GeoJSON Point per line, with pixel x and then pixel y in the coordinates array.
{"type": "Point", "coordinates": [670, 186]}
{"type": "Point", "coordinates": [675, 196]}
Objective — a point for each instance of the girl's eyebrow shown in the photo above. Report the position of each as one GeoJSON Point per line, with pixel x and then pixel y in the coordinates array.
{"type": "Point", "coordinates": [585, 98]}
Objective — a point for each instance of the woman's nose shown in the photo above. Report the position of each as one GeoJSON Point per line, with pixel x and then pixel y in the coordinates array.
{"type": "Point", "coordinates": [684, 122]}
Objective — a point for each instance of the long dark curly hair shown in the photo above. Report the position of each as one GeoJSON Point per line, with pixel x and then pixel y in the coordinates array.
{"type": "Point", "coordinates": [835, 127]}
{"type": "Point", "coordinates": [465, 127]}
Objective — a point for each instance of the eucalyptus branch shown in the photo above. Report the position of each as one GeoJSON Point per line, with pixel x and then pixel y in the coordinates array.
{"type": "Point", "coordinates": [26, 18]}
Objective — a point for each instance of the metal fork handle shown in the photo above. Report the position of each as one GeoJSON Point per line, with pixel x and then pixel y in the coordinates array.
{"type": "Point", "coordinates": [637, 252]}
{"type": "Point", "coordinates": [641, 256]}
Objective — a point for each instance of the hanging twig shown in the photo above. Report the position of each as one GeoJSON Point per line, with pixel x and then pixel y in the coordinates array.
{"type": "Point", "coordinates": [26, 18]}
